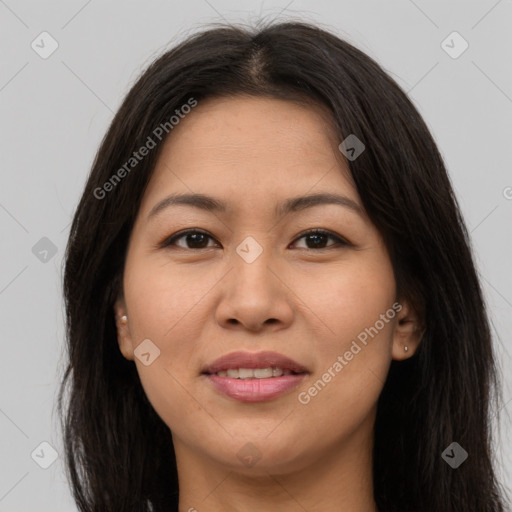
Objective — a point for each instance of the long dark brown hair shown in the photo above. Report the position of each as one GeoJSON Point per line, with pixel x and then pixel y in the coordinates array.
{"type": "Point", "coordinates": [119, 453]}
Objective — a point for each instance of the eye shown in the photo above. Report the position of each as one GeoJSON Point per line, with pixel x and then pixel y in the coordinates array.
{"type": "Point", "coordinates": [318, 237]}
{"type": "Point", "coordinates": [196, 239]}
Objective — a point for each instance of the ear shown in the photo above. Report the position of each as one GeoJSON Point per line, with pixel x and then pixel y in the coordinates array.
{"type": "Point", "coordinates": [408, 331]}
{"type": "Point", "coordinates": [124, 338]}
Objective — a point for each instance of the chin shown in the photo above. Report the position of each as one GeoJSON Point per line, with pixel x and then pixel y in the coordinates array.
{"type": "Point", "coordinates": [255, 455]}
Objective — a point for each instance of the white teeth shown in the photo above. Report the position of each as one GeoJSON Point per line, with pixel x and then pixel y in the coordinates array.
{"type": "Point", "coordinates": [263, 373]}
{"type": "Point", "coordinates": [256, 373]}
{"type": "Point", "coordinates": [245, 373]}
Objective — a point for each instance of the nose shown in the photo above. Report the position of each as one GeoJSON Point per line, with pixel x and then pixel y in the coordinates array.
{"type": "Point", "coordinates": [255, 294]}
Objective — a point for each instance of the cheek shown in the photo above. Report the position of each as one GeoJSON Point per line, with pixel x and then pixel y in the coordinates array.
{"type": "Point", "coordinates": [161, 314]}
{"type": "Point", "coordinates": [162, 298]}
{"type": "Point", "coordinates": [168, 305]}
{"type": "Point", "coordinates": [351, 298]}
{"type": "Point", "coordinates": [351, 371]}
{"type": "Point", "coordinates": [355, 306]}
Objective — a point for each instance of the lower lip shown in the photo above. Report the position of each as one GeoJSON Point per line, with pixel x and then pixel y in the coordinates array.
{"type": "Point", "coordinates": [255, 390]}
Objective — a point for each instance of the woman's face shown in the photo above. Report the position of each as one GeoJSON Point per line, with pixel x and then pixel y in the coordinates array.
{"type": "Point", "coordinates": [248, 279]}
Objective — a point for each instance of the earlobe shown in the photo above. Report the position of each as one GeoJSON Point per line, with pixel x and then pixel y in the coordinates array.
{"type": "Point", "coordinates": [408, 332]}
{"type": "Point", "coordinates": [124, 339]}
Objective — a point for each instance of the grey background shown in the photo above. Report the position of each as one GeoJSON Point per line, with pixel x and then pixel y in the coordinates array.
{"type": "Point", "coordinates": [55, 111]}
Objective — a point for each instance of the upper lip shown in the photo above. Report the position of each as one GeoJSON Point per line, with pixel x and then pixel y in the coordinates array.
{"type": "Point", "coordinates": [265, 359]}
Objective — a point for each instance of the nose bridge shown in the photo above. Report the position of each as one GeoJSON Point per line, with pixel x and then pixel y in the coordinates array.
{"type": "Point", "coordinates": [252, 260]}
{"type": "Point", "coordinates": [250, 249]}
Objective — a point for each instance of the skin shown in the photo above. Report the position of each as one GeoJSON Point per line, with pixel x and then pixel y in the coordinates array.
{"type": "Point", "coordinates": [196, 304]}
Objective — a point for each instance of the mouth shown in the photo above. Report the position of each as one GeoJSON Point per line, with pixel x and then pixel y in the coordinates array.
{"type": "Point", "coordinates": [254, 365]}
{"type": "Point", "coordinates": [255, 373]}
{"type": "Point", "coordinates": [254, 377]}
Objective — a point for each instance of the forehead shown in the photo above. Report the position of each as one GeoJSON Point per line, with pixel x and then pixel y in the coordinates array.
{"type": "Point", "coordinates": [252, 124]}
{"type": "Point", "coordinates": [246, 146]}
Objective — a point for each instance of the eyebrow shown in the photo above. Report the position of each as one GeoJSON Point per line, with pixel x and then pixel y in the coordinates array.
{"type": "Point", "coordinates": [293, 204]}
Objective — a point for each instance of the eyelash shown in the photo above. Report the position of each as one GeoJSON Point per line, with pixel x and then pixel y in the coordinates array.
{"type": "Point", "coordinates": [169, 241]}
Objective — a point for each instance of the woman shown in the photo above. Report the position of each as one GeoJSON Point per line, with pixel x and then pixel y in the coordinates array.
{"type": "Point", "coordinates": [271, 299]}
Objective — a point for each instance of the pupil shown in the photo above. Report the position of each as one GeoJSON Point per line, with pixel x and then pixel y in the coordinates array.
{"type": "Point", "coordinates": [193, 237]}
{"type": "Point", "coordinates": [316, 236]}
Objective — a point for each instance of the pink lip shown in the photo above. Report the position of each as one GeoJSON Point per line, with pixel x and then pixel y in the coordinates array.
{"type": "Point", "coordinates": [255, 390]}
{"type": "Point", "coordinates": [253, 360]}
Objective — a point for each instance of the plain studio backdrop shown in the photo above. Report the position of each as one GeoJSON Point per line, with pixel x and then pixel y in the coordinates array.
{"type": "Point", "coordinates": [57, 98]}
